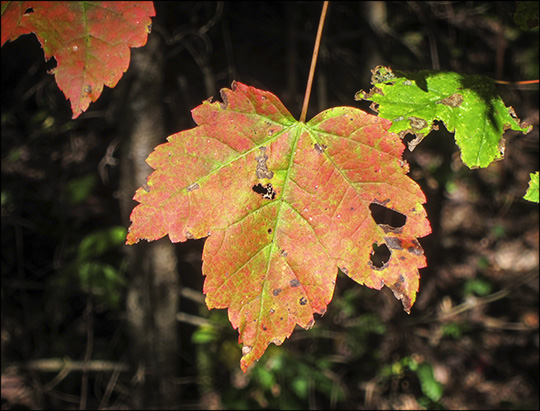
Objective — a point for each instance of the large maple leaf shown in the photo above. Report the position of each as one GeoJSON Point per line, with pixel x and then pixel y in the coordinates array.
{"type": "Point", "coordinates": [284, 205]}
{"type": "Point", "coordinates": [90, 40]}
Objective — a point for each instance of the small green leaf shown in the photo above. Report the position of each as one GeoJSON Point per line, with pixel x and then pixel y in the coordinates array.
{"type": "Point", "coordinates": [432, 388]}
{"type": "Point", "coordinates": [532, 191]}
{"type": "Point", "coordinates": [467, 104]}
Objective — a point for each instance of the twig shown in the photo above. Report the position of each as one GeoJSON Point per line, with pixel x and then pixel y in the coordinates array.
{"type": "Point", "coordinates": [313, 63]}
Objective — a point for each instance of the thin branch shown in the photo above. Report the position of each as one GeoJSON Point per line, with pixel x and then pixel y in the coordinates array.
{"type": "Point", "coordinates": [313, 63]}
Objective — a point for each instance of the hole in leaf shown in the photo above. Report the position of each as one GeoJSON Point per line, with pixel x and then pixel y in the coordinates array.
{"type": "Point", "coordinates": [259, 189]}
{"type": "Point", "coordinates": [380, 255]}
{"type": "Point", "coordinates": [266, 191]}
{"type": "Point", "coordinates": [383, 215]}
{"type": "Point", "coordinates": [29, 10]}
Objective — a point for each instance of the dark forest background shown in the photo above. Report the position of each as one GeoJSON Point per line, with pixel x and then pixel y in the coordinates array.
{"type": "Point", "coordinates": [88, 322]}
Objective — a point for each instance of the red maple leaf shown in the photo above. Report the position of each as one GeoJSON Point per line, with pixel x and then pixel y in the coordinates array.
{"type": "Point", "coordinates": [284, 205]}
{"type": "Point", "coordinates": [89, 40]}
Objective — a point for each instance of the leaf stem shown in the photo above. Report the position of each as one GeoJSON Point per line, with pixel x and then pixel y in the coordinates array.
{"type": "Point", "coordinates": [313, 63]}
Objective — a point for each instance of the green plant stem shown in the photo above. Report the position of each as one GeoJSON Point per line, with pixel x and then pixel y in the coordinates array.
{"type": "Point", "coordinates": [303, 114]}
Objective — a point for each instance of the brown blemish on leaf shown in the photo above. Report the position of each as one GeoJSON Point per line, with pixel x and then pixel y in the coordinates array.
{"type": "Point", "coordinates": [276, 292]}
{"type": "Point", "coordinates": [303, 301]}
{"type": "Point", "coordinates": [417, 122]}
{"type": "Point", "coordinates": [393, 243]}
{"type": "Point", "coordinates": [146, 187]}
{"type": "Point", "coordinates": [319, 148]}
{"type": "Point", "coordinates": [262, 169]}
{"type": "Point", "coordinates": [271, 311]}
{"type": "Point", "coordinates": [381, 74]}
{"type": "Point", "coordinates": [344, 270]}
{"type": "Point", "coordinates": [294, 283]}
{"type": "Point", "coordinates": [453, 101]}
{"type": "Point", "coordinates": [416, 248]}
{"type": "Point", "coordinates": [189, 235]}
{"type": "Point", "coordinates": [264, 327]}
{"type": "Point", "coordinates": [192, 187]}
{"type": "Point", "coordinates": [283, 253]}
{"type": "Point", "coordinates": [388, 229]}
{"type": "Point", "coordinates": [276, 341]}
{"type": "Point", "coordinates": [374, 267]}
{"type": "Point", "coordinates": [400, 293]}
{"type": "Point", "coordinates": [246, 349]}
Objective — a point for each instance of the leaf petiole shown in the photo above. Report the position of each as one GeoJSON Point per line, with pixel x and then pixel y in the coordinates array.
{"type": "Point", "coordinates": [303, 114]}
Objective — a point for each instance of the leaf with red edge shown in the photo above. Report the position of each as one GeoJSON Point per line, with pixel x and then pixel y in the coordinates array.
{"type": "Point", "coordinates": [89, 40]}
{"type": "Point", "coordinates": [284, 205]}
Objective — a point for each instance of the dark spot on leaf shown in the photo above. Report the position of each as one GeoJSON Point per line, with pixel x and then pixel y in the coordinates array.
{"type": "Point", "coordinates": [276, 292]}
{"type": "Point", "coordinates": [193, 187]}
{"type": "Point", "coordinates": [383, 215]}
{"type": "Point", "coordinates": [344, 270]}
{"type": "Point", "coordinates": [266, 191]}
{"type": "Point", "coordinates": [271, 311]}
{"type": "Point", "coordinates": [393, 243]}
{"type": "Point", "coordinates": [269, 231]}
{"type": "Point", "coordinates": [149, 29]}
{"type": "Point", "coordinates": [283, 253]}
{"type": "Point", "coordinates": [264, 327]}
{"type": "Point", "coordinates": [88, 89]}
{"type": "Point", "coordinates": [29, 10]}
{"type": "Point", "coordinates": [303, 301]}
{"type": "Point", "coordinates": [146, 187]}
{"type": "Point", "coordinates": [417, 123]}
{"type": "Point", "coordinates": [380, 256]}
{"type": "Point", "coordinates": [319, 148]}
{"type": "Point", "coordinates": [263, 98]}
{"type": "Point", "coordinates": [294, 283]}
{"type": "Point", "coordinates": [453, 101]}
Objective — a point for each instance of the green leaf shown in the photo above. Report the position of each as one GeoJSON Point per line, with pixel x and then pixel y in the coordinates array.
{"type": "Point", "coordinates": [284, 205]}
{"type": "Point", "coordinates": [432, 388]}
{"type": "Point", "coordinates": [467, 104]}
{"type": "Point", "coordinates": [532, 191]}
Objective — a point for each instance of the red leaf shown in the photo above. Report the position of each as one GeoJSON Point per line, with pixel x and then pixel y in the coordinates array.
{"type": "Point", "coordinates": [89, 40]}
{"type": "Point", "coordinates": [285, 204]}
